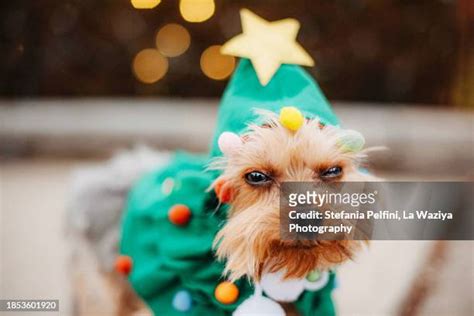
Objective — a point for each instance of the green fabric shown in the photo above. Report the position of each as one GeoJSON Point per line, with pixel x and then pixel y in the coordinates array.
{"type": "Point", "coordinates": [318, 303]}
{"type": "Point", "coordinates": [169, 258]}
{"type": "Point", "coordinates": [290, 86]}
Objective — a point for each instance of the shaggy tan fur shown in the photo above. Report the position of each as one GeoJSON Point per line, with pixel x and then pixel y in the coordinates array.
{"type": "Point", "coordinates": [250, 240]}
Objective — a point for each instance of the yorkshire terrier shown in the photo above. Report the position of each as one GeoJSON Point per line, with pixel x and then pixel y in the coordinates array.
{"type": "Point", "coordinates": [250, 241]}
{"type": "Point", "coordinates": [250, 181]}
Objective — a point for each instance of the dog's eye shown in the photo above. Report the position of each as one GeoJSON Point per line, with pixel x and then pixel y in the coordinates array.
{"type": "Point", "coordinates": [257, 178]}
{"type": "Point", "coordinates": [331, 173]}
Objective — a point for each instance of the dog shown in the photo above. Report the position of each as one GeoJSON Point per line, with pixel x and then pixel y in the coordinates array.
{"type": "Point", "coordinates": [250, 242]}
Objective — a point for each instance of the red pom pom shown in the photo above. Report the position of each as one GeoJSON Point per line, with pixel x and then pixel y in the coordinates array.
{"type": "Point", "coordinates": [218, 186]}
{"type": "Point", "coordinates": [225, 195]}
{"type": "Point", "coordinates": [223, 191]}
{"type": "Point", "coordinates": [179, 214]}
{"type": "Point", "coordinates": [123, 265]}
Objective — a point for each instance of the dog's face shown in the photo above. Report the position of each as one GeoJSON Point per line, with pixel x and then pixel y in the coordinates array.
{"type": "Point", "coordinates": [250, 240]}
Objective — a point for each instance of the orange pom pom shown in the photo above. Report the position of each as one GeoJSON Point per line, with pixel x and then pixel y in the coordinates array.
{"type": "Point", "coordinates": [226, 292]}
{"type": "Point", "coordinates": [123, 265]}
{"type": "Point", "coordinates": [179, 214]}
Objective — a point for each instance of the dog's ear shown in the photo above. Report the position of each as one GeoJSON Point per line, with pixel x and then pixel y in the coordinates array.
{"type": "Point", "coordinates": [350, 140]}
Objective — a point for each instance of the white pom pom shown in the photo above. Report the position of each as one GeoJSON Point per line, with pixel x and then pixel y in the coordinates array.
{"type": "Point", "coordinates": [317, 284]}
{"type": "Point", "coordinates": [228, 143]}
{"type": "Point", "coordinates": [259, 305]}
{"type": "Point", "coordinates": [282, 290]}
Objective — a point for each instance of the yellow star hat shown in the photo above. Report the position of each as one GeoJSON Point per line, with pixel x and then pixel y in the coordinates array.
{"type": "Point", "coordinates": [268, 77]}
{"type": "Point", "coordinates": [267, 44]}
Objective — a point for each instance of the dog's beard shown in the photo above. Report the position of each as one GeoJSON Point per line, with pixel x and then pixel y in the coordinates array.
{"type": "Point", "coordinates": [250, 243]}
{"type": "Point", "coordinates": [299, 258]}
{"type": "Point", "coordinates": [244, 242]}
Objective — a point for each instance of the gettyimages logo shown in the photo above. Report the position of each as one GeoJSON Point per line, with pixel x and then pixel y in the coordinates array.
{"type": "Point", "coordinates": [376, 210]}
{"type": "Point", "coordinates": [320, 198]}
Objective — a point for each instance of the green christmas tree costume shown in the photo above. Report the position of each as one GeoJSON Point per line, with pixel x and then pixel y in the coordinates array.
{"type": "Point", "coordinates": [169, 258]}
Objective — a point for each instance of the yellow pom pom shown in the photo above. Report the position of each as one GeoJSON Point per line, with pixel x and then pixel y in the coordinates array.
{"type": "Point", "coordinates": [291, 118]}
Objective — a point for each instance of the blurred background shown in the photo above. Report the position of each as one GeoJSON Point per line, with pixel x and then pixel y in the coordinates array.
{"type": "Point", "coordinates": [375, 51]}
{"type": "Point", "coordinates": [83, 79]}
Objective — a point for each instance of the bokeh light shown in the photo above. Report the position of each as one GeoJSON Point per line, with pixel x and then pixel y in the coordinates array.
{"type": "Point", "coordinates": [149, 65]}
{"type": "Point", "coordinates": [172, 40]}
{"type": "Point", "coordinates": [197, 10]}
{"type": "Point", "coordinates": [216, 65]}
{"type": "Point", "coordinates": [145, 4]}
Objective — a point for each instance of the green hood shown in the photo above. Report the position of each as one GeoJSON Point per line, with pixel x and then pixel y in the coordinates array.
{"type": "Point", "coordinates": [290, 86]}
